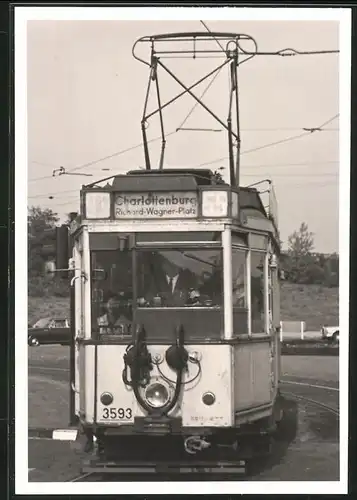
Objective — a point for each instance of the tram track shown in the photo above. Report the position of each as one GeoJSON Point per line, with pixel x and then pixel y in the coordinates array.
{"type": "Point", "coordinates": [326, 397]}
{"type": "Point", "coordinates": [314, 402]}
{"type": "Point", "coordinates": [81, 478]}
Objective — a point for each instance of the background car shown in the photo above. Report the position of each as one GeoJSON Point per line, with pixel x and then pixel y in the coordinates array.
{"type": "Point", "coordinates": [330, 333]}
{"type": "Point", "coordinates": [49, 331]}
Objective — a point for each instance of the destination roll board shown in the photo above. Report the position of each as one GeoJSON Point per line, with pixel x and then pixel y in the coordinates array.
{"type": "Point", "coordinates": [155, 205]}
{"type": "Point", "coordinates": [164, 205]}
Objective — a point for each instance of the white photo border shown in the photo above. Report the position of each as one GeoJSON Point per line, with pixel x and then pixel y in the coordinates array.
{"type": "Point", "coordinates": [21, 16]}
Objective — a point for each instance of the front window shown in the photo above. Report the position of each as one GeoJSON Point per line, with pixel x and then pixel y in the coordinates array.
{"type": "Point", "coordinates": [154, 270]}
{"type": "Point", "coordinates": [179, 277]}
{"type": "Point", "coordinates": [161, 280]}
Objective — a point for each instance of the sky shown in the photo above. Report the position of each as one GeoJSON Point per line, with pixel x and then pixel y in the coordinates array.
{"type": "Point", "coordinates": [86, 95]}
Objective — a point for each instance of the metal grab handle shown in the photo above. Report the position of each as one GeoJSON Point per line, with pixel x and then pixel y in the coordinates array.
{"type": "Point", "coordinates": [73, 387]}
{"type": "Point", "coordinates": [83, 276]}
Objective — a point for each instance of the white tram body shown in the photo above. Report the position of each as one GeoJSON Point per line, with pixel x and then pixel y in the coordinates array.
{"type": "Point", "coordinates": [205, 372]}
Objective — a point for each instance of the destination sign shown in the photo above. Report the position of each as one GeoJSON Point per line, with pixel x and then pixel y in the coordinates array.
{"type": "Point", "coordinates": [156, 205]}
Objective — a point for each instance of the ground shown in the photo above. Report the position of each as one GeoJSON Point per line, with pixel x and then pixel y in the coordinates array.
{"type": "Point", "coordinates": [314, 304]}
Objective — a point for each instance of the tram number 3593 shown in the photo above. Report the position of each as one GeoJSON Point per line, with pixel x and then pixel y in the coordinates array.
{"type": "Point", "coordinates": [117, 414]}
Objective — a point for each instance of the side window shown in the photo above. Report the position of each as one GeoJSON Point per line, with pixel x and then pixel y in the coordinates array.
{"type": "Point", "coordinates": [257, 263]}
{"type": "Point", "coordinates": [239, 277]}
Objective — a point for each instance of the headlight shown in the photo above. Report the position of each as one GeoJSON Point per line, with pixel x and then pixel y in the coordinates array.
{"type": "Point", "coordinates": [157, 395]}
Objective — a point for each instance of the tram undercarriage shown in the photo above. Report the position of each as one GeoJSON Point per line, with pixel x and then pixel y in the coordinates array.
{"type": "Point", "coordinates": [161, 453]}
{"type": "Point", "coordinates": [164, 447]}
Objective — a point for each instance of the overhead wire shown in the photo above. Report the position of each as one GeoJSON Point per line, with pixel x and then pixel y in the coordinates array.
{"type": "Point", "coordinates": [209, 31]}
{"type": "Point", "coordinates": [275, 143]}
{"type": "Point", "coordinates": [131, 148]}
{"type": "Point", "coordinates": [298, 164]}
{"type": "Point", "coordinates": [290, 174]}
{"type": "Point", "coordinates": [259, 166]}
{"type": "Point", "coordinates": [285, 129]}
{"type": "Point", "coordinates": [52, 194]}
{"type": "Point", "coordinates": [70, 202]}
{"type": "Point", "coordinates": [295, 137]}
{"type": "Point", "coordinates": [307, 184]}
{"type": "Point", "coordinates": [282, 52]}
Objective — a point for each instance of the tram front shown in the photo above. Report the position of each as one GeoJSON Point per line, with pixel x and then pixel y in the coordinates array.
{"type": "Point", "coordinates": [160, 308]}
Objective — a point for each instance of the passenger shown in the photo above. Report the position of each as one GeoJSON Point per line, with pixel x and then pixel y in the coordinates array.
{"type": "Point", "coordinates": [172, 284]}
{"type": "Point", "coordinates": [116, 318]}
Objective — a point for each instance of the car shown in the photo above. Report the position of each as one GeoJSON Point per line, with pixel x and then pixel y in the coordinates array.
{"type": "Point", "coordinates": [51, 323]}
{"type": "Point", "coordinates": [49, 331]}
{"type": "Point", "coordinates": [330, 333]}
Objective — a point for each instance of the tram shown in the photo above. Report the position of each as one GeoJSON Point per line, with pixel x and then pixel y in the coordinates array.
{"type": "Point", "coordinates": [175, 354]}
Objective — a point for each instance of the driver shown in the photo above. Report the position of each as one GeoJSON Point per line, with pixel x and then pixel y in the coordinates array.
{"type": "Point", "coordinates": [172, 283]}
{"type": "Point", "coordinates": [114, 320]}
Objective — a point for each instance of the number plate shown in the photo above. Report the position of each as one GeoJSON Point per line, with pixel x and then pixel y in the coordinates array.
{"type": "Point", "coordinates": [113, 414]}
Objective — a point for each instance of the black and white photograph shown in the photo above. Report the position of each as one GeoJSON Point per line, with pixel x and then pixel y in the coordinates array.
{"type": "Point", "coordinates": [182, 216]}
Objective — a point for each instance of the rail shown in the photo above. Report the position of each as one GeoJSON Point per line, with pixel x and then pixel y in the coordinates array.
{"type": "Point", "coordinates": [266, 192]}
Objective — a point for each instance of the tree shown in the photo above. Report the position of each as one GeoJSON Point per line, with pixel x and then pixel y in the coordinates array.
{"type": "Point", "coordinates": [332, 270]}
{"type": "Point", "coordinates": [41, 225]}
{"type": "Point", "coordinates": [301, 242]}
{"type": "Point", "coordinates": [300, 265]}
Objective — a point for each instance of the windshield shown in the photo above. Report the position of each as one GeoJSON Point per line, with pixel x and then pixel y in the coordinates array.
{"type": "Point", "coordinates": [145, 276]}
{"type": "Point", "coordinates": [42, 323]}
{"type": "Point", "coordinates": [180, 277]}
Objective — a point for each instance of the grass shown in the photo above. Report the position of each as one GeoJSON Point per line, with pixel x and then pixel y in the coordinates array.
{"type": "Point", "coordinates": [48, 306]}
{"type": "Point", "coordinates": [314, 304]}
{"type": "Point", "coordinates": [314, 367]}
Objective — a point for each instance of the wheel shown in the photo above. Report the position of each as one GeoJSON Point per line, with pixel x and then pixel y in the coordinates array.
{"type": "Point", "coordinates": [287, 427]}
{"type": "Point", "coordinates": [33, 341]}
{"type": "Point", "coordinates": [336, 337]}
